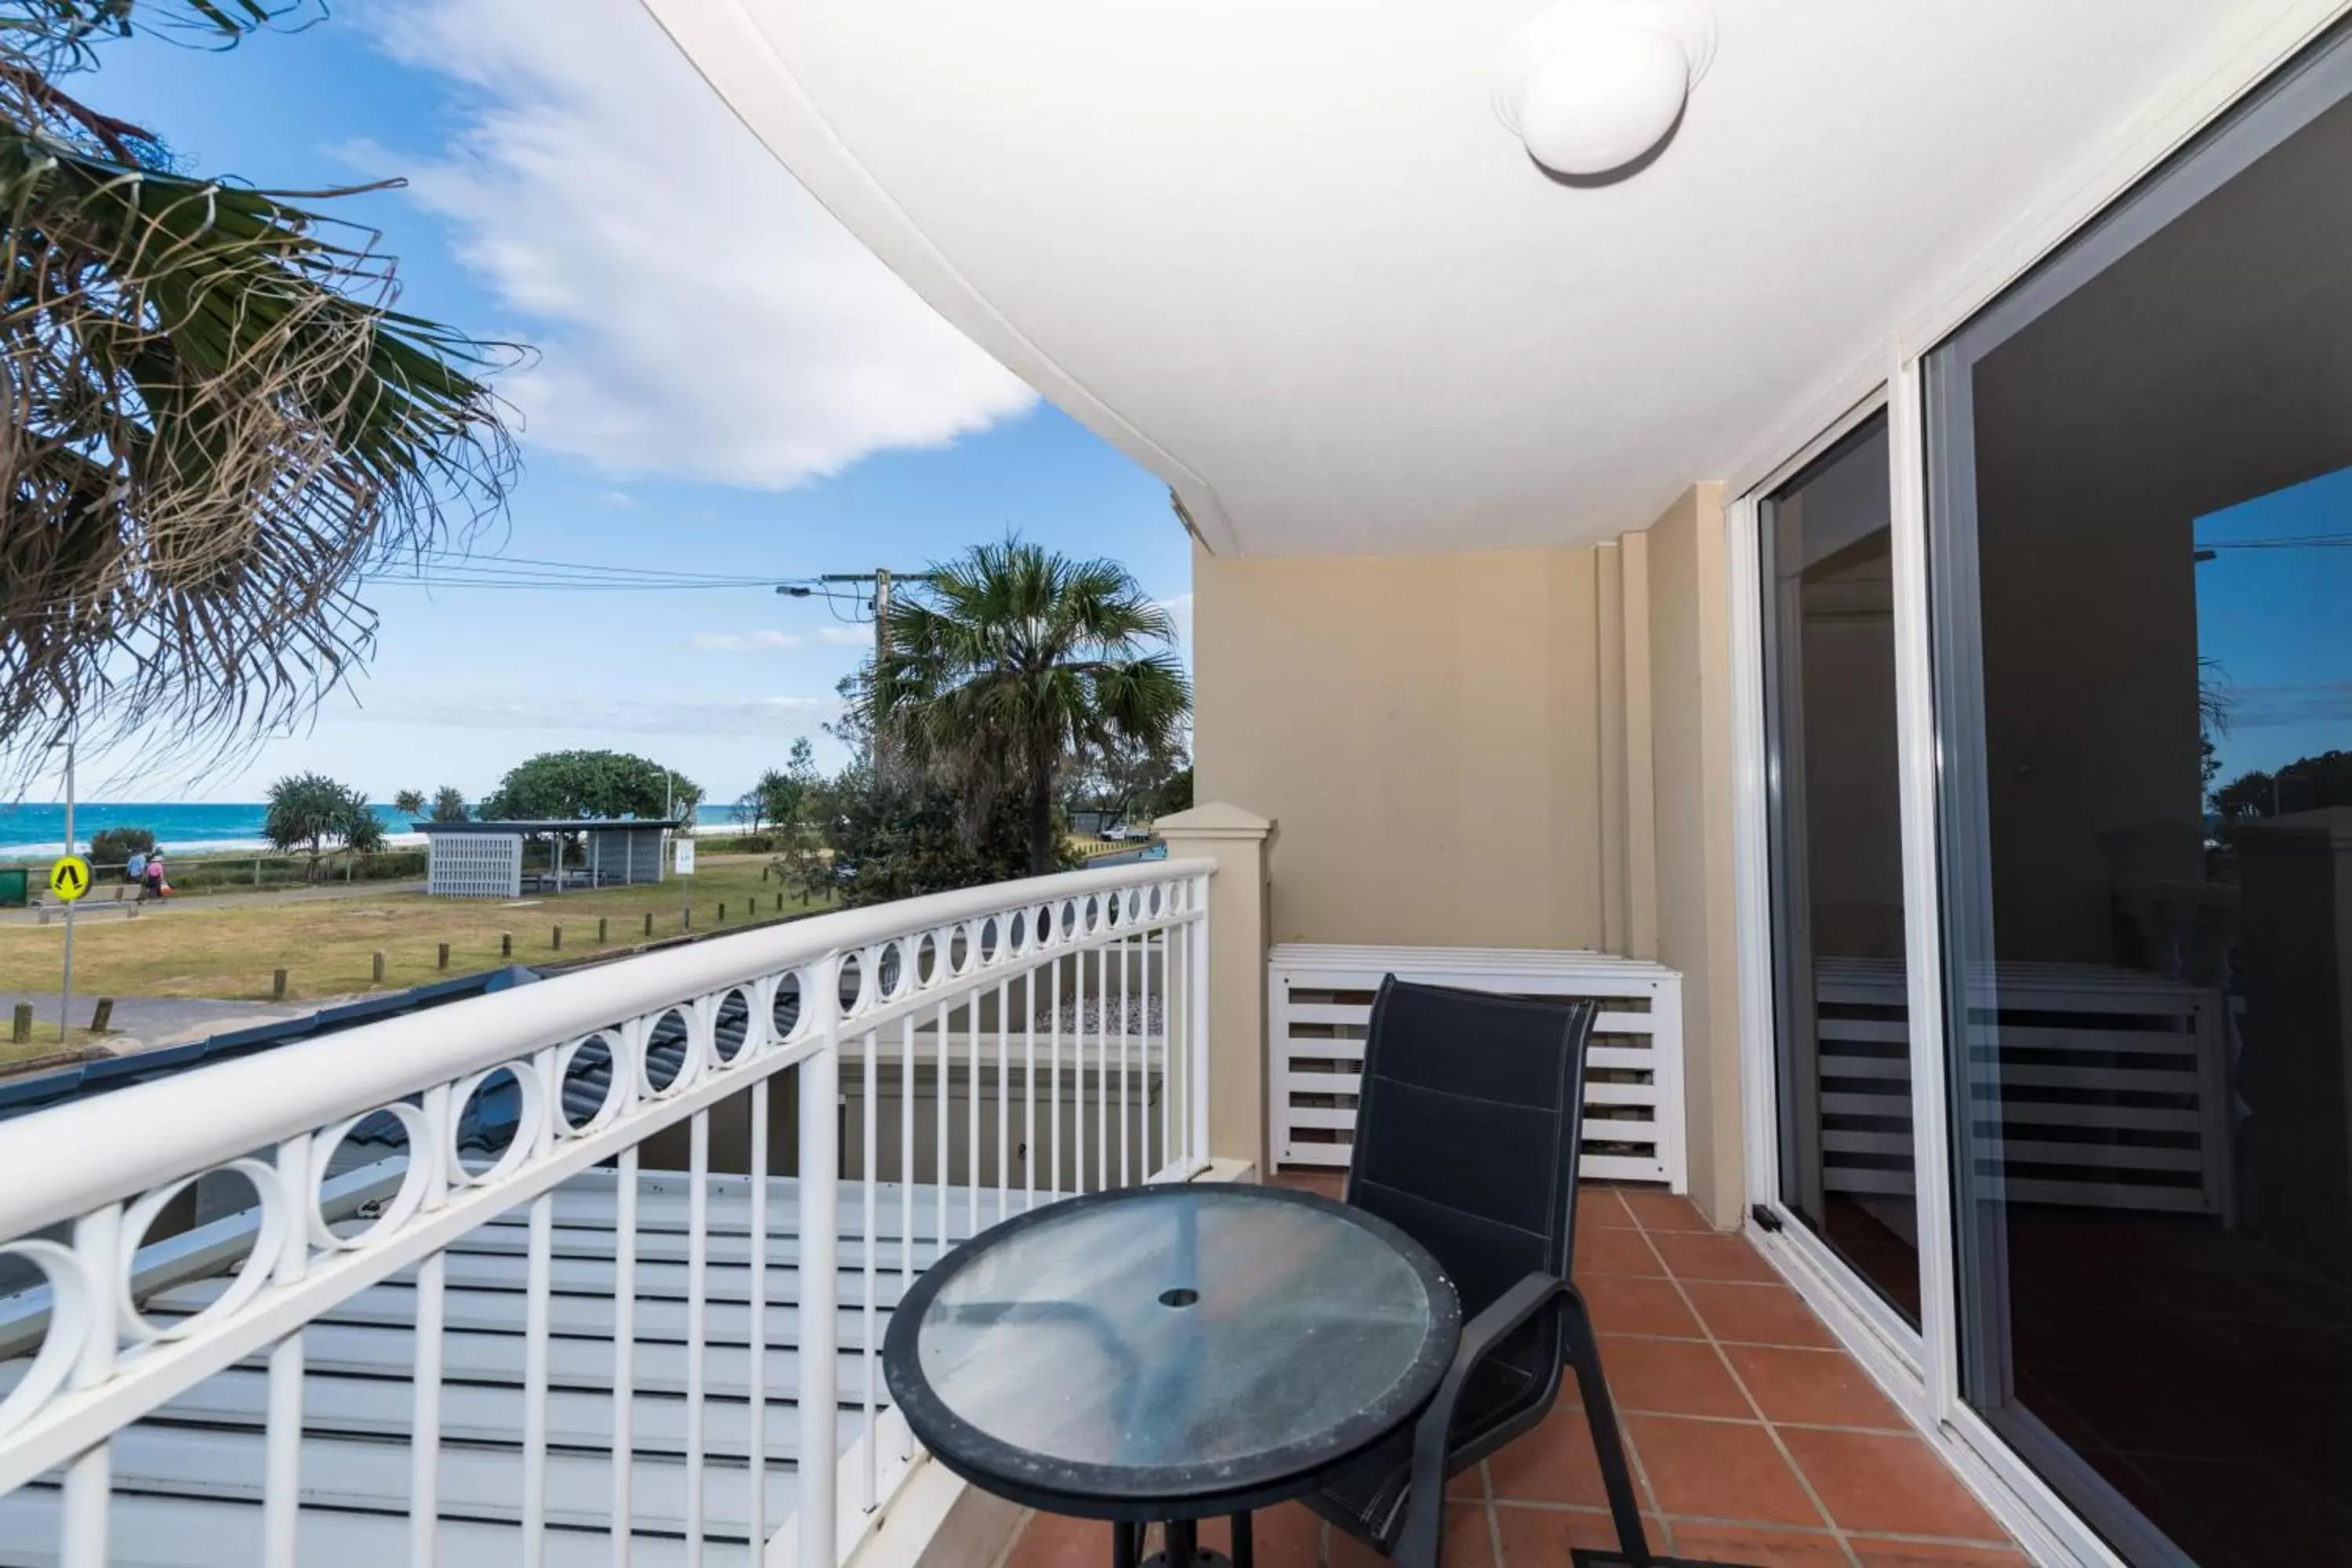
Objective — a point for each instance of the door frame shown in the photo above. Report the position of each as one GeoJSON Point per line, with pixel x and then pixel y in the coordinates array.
{"type": "Point", "coordinates": [1920, 1370]}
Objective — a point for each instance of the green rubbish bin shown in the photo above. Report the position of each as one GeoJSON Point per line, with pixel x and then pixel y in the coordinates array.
{"type": "Point", "coordinates": [14, 881]}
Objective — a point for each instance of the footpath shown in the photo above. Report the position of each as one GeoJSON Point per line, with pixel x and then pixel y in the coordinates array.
{"type": "Point", "coordinates": [102, 906]}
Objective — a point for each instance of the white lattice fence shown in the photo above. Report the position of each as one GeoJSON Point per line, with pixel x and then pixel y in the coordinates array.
{"type": "Point", "coordinates": [1320, 1006]}
{"type": "Point", "coordinates": [474, 866]}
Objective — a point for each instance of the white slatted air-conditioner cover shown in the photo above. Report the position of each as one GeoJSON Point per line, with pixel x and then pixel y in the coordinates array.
{"type": "Point", "coordinates": [1320, 1002]}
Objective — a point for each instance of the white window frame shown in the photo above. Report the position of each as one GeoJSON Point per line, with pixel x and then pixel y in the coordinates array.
{"type": "Point", "coordinates": [1920, 1370]}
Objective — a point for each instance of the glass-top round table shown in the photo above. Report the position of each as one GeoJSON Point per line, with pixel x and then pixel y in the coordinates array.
{"type": "Point", "coordinates": [1169, 1352]}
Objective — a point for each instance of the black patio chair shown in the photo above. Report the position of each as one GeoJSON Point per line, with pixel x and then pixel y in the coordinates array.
{"type": "Point", "coordinates": [1467, 1130]}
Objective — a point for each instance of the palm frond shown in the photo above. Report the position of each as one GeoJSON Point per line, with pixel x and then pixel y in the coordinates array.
{"type": "Point", "coordinates": [215, 419]}
{"type": "Point", "coordinates": [1012, 661]}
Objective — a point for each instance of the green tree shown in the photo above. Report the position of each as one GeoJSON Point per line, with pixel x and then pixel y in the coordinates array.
{"type": "Point", "coordinates": [781, 797]}
{"type": "Point", "coordinates": [116, 846]}
{"type": "Point", "coordinates": [408, 801]}
{"type": "Point", "coordinates": [1175, 795]}
{"type": "Point", "coordinates": [591, 783]}
{"type": "Point", "coordinates": [217, 420]}
{"type": "Point", "coordinates": [2307, 784]}
{"type": "Point", "coordinates": [897, 836]}
{"type": "Point", "coordinates": [311, 812]}
{"type": "Point", "coordinates": [1010, 661]}
{"type": "Point", "coordinates": [448, 803]}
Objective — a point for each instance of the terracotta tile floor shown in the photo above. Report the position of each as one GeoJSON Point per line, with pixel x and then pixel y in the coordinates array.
{"type": "Point", "coordinates": [1754, 1439]}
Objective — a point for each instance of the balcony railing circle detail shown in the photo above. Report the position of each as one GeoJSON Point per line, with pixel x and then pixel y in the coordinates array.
{"type": "Point", "coordinates": [730, 1027]}
{"type": "Point", "coordinates": [850, 979]}
{"type": "Point", "coordinates": [667, 1046]}
{"type": "Point", "coordinates": [787, 1007]}
{"type": "Point", "coordinates": [414, 1181]}
{"type": "Point", "coordinates": [575, 1060]}
{"type": "Point", "coordinates": [70, 1301]}
{"type": "Point", "coordinates": [271, 1194]}
{"type": "Point", "coordinates": [530, 1106]}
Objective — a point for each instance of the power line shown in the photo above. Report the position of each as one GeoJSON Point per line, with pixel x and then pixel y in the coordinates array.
{"type": "Point", "coordinates": [2285, 542]}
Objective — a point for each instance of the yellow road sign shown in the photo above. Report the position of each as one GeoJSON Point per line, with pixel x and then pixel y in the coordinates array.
{"type": "Point", "coordinates": [69, 878]}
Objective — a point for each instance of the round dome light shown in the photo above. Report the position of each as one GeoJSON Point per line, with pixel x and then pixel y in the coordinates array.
{"type": "Point", "coordinates": [1593, 85]}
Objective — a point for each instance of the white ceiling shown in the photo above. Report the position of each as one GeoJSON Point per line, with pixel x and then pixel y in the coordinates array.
{"type": "Point", "coordinates": [1284, 255]}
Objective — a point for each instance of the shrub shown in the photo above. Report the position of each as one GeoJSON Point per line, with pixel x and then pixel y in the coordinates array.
{"type": "Point", "coordinates": [116, 846]}
{"type": "Point", "coordinates": [897, 838]}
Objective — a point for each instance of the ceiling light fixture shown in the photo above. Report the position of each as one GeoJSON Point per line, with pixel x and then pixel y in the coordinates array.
{"type": "Point", "coordinates": [1591, 86]}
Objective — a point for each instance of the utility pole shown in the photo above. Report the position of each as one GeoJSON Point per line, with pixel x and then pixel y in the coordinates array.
{"type": "Point", "coordinates": [65, 988]}
{"type": "Point", "coordinates": [882, 578]}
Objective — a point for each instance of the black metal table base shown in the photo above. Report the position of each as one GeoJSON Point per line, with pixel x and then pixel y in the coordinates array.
{"type": "Point", "coordinates": [1182, 1547]}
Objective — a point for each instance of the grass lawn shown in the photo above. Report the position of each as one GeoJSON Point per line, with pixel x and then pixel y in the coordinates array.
{"type": "Point", "coordinates": [44, 1042]}
{"type": "Point", "coordinates": [327, 947]}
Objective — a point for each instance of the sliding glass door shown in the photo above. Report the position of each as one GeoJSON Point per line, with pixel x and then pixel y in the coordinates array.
{"type": "Point", "coordinates": [2140, 546]}
{"type": "Point", "coordinates": [1840, 1045]}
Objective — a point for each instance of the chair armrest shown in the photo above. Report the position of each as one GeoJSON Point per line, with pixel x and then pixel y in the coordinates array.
{"type": "Point", "coordinates": [1424, 1520]}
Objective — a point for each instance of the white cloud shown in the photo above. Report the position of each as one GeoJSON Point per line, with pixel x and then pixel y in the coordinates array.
{"type": "Point", "coordinates": [845, 637]}
{"type": "Point", "coordinates": [702, 317]}
{"type": "Point", "coordinates": [746, 642]}
{"type": "Point", "coordinates": [616, 499]}
{"type": "Point", "coordinates": [585, 718]}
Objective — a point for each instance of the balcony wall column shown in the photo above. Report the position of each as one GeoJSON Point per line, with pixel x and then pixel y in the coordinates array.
{"type": "Point", "coordinates": [1238, 841]}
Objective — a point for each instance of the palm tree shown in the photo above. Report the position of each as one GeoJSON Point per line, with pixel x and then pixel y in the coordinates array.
{"type": "Point", "coordinates": [213, 421]}
{"type": "Point", "coordinates": [408, 801]}
{"type": "Point", "coordinates": [1012, 661]}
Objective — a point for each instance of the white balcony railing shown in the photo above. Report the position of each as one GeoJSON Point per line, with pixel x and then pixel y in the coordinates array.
{"type": "Point", "coordinates": [378, 1156]}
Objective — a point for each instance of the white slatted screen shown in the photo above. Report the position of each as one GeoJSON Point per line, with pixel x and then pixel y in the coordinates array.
{"type": "Point", "coordinates": [1319, 1005]}
{"type": "Point", "coordinates": [2112, 1086]}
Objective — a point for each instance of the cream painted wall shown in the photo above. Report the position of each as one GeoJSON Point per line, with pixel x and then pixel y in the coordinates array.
{"type": "Point", "coordinates": [1509, 749]}
{"type": "Point", "coordinates": [1441, 738]}
{"type": "Point", "coordinates": [1690, 641]}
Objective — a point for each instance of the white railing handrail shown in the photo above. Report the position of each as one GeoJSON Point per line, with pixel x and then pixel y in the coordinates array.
{"type": "Point", "coordinates": [60, 1162]}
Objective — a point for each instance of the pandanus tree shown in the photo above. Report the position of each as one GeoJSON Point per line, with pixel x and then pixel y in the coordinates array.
{"type": "Point", "coordinates": [215, 420]}
{"type": "Point", "coordinates": [1011, 662]}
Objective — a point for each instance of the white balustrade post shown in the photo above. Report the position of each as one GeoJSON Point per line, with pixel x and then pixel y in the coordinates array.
{"type": "Point", "coordinates": [98, 1244]}
{"type": "Point", "coordinates": [820, 1196]}
{"type": "Point", "coordinates": [1230, 978]}
{"type": "Point", "coordinates": [281, 1484]}
{"type": "Point", "coordinates": [1196, 1027]}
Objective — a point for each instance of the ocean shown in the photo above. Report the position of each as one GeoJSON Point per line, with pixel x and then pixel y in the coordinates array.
{"type": "Point", "coordinates": [182, 828]}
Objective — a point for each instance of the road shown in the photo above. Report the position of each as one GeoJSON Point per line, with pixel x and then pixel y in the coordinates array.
{"type": "Point", "coordinates": [147, 1022]}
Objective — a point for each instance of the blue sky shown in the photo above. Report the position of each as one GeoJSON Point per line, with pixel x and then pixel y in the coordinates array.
{"type": "Point", "coordinates": [2269, 616]}
{"type": "Point", "coordinates": [728, 383]}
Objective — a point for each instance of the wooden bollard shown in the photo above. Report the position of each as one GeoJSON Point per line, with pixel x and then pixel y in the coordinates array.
{"type": "Point", "coordinates": [278, 985]}
{"type": "Point", "coordinates": [722, 914]}
{"type": "Point", "coordinates": [376, 966]}
{"type": "Point", "coordinates": [649, 922]}
{"type": "Point", "coordinates": [445, 956]}
{"type": "Point", "coordinates": [603, 935]}
{"type": "Point", "coordinates": [101, 1015]}
{"type": "Point", "coordinates": [505, 944]}
{"type": "Point", "coordinates": [780, 903]}
{"type": "Point", "coordinates": [22, 1032]}
{"type": "Point", "coordinates": [555, 938]}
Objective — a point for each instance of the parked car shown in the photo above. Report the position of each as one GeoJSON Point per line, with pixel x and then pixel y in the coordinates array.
{"type": "Point", "coordinates": [1118, 833]}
